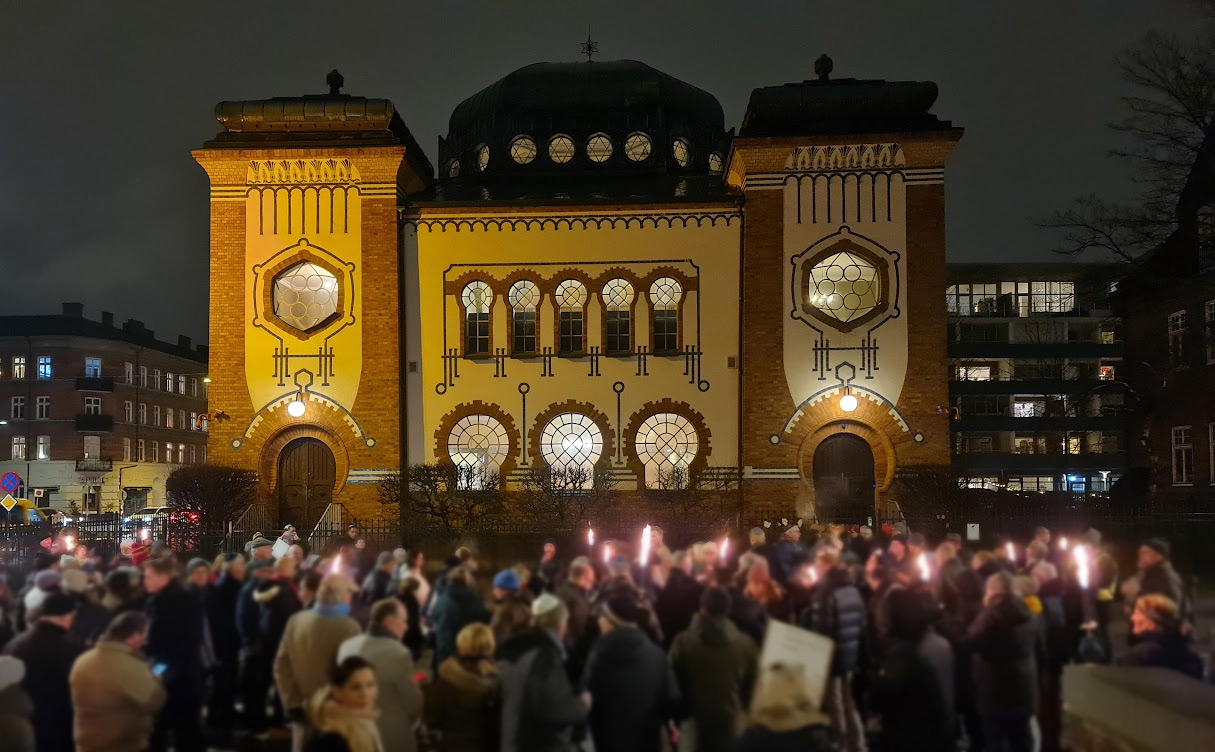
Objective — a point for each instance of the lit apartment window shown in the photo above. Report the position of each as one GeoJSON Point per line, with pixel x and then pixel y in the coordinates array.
{"type": "Point", "coordinates": [19, 367]}
{"type": "Point", "coordinates": [1034, 408]}
{"type": "Point", "coordinates": [169, 418]}
{"type": "Point", "coordinates": [156, 451]}
{"type": "Point", "coordinates": [181, 454]}
{"type": "Point", "coordinates": [156, 415]}
{"type": "Point", "coordinates": [126, 450]}
{"type": "Point", "coordinates": [17, 408]}
{"type": "Point", "coordinates": [18, 448]}
{"type": "Point", "coordinates": [1209, 316]}
{"type": "Point", "coordinates": [181, 384]}
{"type": "Point", "coordinates": [181, 420]}
{"type": "Point", "coordinates": [128, 411]}
{"type": "Point", "coordinates": [156, 378]}
{"type": "Point", "coordinates": [143, 376]}
{"type": "Point", "coordinates": [92, 447]}
{"type": "Point", "coordinates": [143, 413]}
{"type": "Point", "coordinates": [193, 387]}
{"type": "Point", "coordinates": [92, 368]}
{"type": "Point", "coordinates": [42, 408]}
{"type": "Point", "coordinates": [44, 448]}
{"type": "Point", "coordinates": [974, 373]}
{"type": "Point", "coordinates": [1183, 455]}
{"type": "Point", "coordinates": [1107, 337]}
{"type": "Point", "coordinates": [202, 452]}
{"type": "Point", "coordinates": [972, 299]}
{"type": "Point", "coordinates": [193, 454]}
{"type": "Point", "coordinates": [1177, 332]}
{"type": "Point", "coordinates": [193, 422]}
{"type": "Point", "coordinates": [1107, 373]}
{"type": "Point", "coordinates": [128, 373]}
{"type": "Point", "coordinates": [168, 453]}
{"type": "Point", "coordinates": [140, 455]}
{"type": "Point", "coordinates": [44, 367]}
{"type": "Point", "coordinates": [92, 406]}
{"type": "Point", "coordinates": [168, 382]}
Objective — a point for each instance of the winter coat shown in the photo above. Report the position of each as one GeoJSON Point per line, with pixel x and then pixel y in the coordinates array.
{"type": "Point", "coordinates": [277, 602]}
{"type": "Point", "coordinates": [1003, 644]}
{"type": "Point", "coordinates": [116, 697]}
{"type": "Point", "coordinates": [339, 729]}
{"type": "Point", "coordinates": [539, 707]}
{"type": "Point", "coordinates": [16, 708]}
{"type": "Point", "coordinates": [677, 603]}
{"type": "Point", "coordinates": [221, 616]}
{"type": "Point", "coordinates": [414, 638]}
{"type": "Point", "coordinates": [175, 636]}
{"type": "Point", "coordinates": [578, 603]}
{"type": "Point", "coordinates": [715, 665]}
{"type": "Point", "coordinates": [837, 611]}
{"type": "Point", "coordinates": [308, 651]}
{"type": "Point", "coordinates": [399, 698]}
{"type": "Point", "coordinates": [92, 618]}
{"type": "Point", "coordinates": [511, 616]}
{"type": "Point", "coordinates": [48, 652]}
{"type": "Point", "coordinates": [455, 609]}
{"type": "Point", "coordinates": [807, 739]}
{"type": "Point", "coordinates": [460, 705]}
{"type": "Point", "coordinates": [787, 555]}
{"type": "Point", "coordinates": [1169, 650]}
{"type": "Point", "coordinates": [1162, 579]}
{"type": "Point", "coordinates": [633, 692]}
{"type": "Point", "coordinates": [749, 616]}
{"type": "Point", "coordinates": [914, 694]}
{"type": "Point", "coordinates": [248, 617]}
{"type": "Point", "coordinates": [960, 592]}
{"type": "Point", "coordinates": [377, 586]}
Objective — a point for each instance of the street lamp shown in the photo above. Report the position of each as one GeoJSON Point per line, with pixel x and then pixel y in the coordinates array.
{"type": "Point", "coordinates": [296, 408]}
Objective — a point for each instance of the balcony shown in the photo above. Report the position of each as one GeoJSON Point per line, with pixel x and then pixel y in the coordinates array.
{"type": "Point", "coordinates": [1035, 350]}
{"type": "Point", "coordinates": [94, 465]}
{"type": "Point", "coordinates": [1036, 386]}
{"type": "Point", "coordinates": [95, 383]}
{"type": "Point", "coordinates": [1053, 463]}
{"type": "Point", "coordinates": [88, 422]}
{"type": "Point", "coordinates": [1039, 423]}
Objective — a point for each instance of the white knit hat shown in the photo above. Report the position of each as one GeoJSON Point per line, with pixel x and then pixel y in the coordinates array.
{"type": "Point", "coordinates": [545, 603]}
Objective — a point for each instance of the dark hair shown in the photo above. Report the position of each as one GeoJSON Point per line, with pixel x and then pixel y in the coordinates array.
{"type": "Point", "coordinates": [312, 581]}
{"type": "Point", "coordinates": [904, 614]}
{"type": "Point", "coordinates": [412, 556]}
{"type": "Point", "coordinates": [125, 626]}
{"type": "Point", "coordinates": [715, 601]}
{"type": "Point", "coordinates": [341, 672]}
{"type": "Point", "coordinates": [165, 566]}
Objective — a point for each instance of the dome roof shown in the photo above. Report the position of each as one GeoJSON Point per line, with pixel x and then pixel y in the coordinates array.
{"type": "Point", "coordinates": [585, 118]}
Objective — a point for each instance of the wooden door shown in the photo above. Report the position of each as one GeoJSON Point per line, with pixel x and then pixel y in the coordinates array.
{"type": "Point", "coordinates": [306, 477]}
{"type": "Point", "coordinates": [843, 480]}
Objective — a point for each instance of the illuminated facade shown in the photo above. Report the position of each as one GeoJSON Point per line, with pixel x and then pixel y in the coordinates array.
{"type": "Point", "coordinates": [596, 276]}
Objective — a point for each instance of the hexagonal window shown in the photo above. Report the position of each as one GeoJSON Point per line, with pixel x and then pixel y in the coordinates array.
{"type": "Point", "coordinates": [305, 295]}
{"type": "Point", "coordinates": [845, 286]}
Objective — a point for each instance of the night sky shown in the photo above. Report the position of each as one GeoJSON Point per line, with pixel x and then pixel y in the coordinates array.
{"type": "Point", "coordinates": [101, 203]}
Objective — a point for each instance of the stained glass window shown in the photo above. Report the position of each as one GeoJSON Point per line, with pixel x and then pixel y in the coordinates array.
{"type": "Point", "coordinates": [477, 444]}
{"type": "Point", "coordinates": [716, 164]}
{"type": "Point", "coordinates": [524, 297]}
{"type": "Point", "coordinates": [523, 149]}
{"type": "Point", "coordinates": [561, 148]}
{"type": "Point", "coordinates": [637, 147]}
{"type": "Point", "coordinates": [482, 157]}
{"type": "Point", "coordinates": [845, 286]}
{"type": "Point", "coordinates": [305, 295]}
{"type": "Point", "coordinates": [476, 298]}
{"type": "Point", "coordinates": [682, 151]}
{"type": "Point", "coordinates": [453, 168]}
{"type": "Point", "coordinates": [571, 299]}
{"type": "Point", "coordinates": [667, 444]}
{"type": "Point", "coordinates": [665, 294]}
{"type": "Point", "coordinates": [618, 302]}
{"type": "Point", "coordinates": [599, 147]}
{"type": "Point", "coordinates": [572, 442]}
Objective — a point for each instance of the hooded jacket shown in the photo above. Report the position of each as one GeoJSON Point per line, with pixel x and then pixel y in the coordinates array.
{"type": "Point", "coordinates": [715, 665]}
{"type": "Point", "coordinates": [539, 707]}
{"type": "Point", "coordinates": [455, 609]}
{"type": "Point", "coordinates": [633, 689]}
{"type": "Point", "coordinates": [16, 708]}
{"type": "Point", "coordinates": [221, 616]}
{"type": "Point", "coordinates": [460, 705]}
{"type": "Point", "coordinates": [1003, 645]}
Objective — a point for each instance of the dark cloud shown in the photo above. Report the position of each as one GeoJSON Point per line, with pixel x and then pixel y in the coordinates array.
{"type": "Point", "coordinates": [101, 202]}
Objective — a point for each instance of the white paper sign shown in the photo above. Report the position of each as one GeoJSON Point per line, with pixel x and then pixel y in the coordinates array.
{"type": "Point", "coordinates": [972, 531]}
{"type": "Point", "coordinates": [280, 549]}
{"type": "Point", "coordinates": [794, 646]}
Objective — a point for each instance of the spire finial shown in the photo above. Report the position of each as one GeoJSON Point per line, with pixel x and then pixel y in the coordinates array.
{"type": "Point", "coordinates": [335, 82]}
{"type": "Point", "coordinates": [823, 67]}
{"type": "Point", "coordinates": [590, 46]}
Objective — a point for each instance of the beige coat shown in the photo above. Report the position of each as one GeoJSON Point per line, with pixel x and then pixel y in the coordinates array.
{"type": "Point", "coordinates": [116, 697]}
{"type": "Point", "coordinates": [308, 653]}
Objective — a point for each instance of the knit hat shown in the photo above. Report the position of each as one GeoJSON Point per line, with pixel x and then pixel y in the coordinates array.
{"type": "Point", "coordinates": [507, 579]}
{"type": "Point", "coordinates": [261, 542]}
{"type": "Point", "coordinates": [75, 581]}
{"type": "Point", "coordinates": [195, 564]}
{"type": "Point", "coordinates": [953, 537]}
{"type": "Point", "coordinates": [715, 601]}
{"type": "Point", "coordinates": [622, 610]}
{"type": "Point", "coordinates": [545, 603]}
{"type": "Point", "coordinates": [58, 604]}
{"type": "Point", "coordinates": [48, 580]}
{"type": "Point", "coordinates": [1159, 545]}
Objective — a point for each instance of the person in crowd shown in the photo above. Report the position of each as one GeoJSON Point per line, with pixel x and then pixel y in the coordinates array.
{"type": "Point", "coordinates": [914, 691]}
{"type": "Point", "coordinates": [378, 584]}
{"type": "Point", "coordinates": [575, 593]}
{"type": "Point", "coordinates": [549, 564]}
{"type": "Point", "coordinates": [512, 606]}
{"type": "Point", "coordinates": [256, 655]}
{"type": "Point", "coordinates": [456, 608]}
{"type": "Point", "coordinates": [16, 707]}
{"type": "Point", "coordinates": [632, 687]}
{"type": "Point", "coordinates": [679, 599]}
{"type": "Point", "coordinates": [309, 648]}
{"type": "Point", "coordinates": [399, 699]}
{"type": "Point", "coordinates": [198, 577]}
{"type": "Point", "coordinates": [415, 567]}
{"type": "Point", "coordinates": [1036, 553]}
{"type": "Point", "coordinates": [1003, 648]}
{"type": "Point", "coordinates": [715, 665]}
{"type": "Point", "coordinates": [415, 637]}
{"type": "Point", "coordinates": [48, 651]}
{"type": "Point", "coordinates": [176, 629]}
{"type": "Point", "coordinates": [788, 553]}
{"type": "Point", "coordinates": [759, 546]}
{"type": "Point", "coordinates": [261, 548]}
{"type": "Point", "coordinates": [343, 711]}
{"type": "Point", "coordinates": [837, 611]}
{"type": "Point", "coordinates": [459, 707]}
{"type": "Point", "coordinates": [114, 690]}
{"type": "Point", "coordinates": [122, 591]}
{"type": "Point", "coordinates": [1159, 641]}
{"type": "Point", "coordinates": [746, 613]}
{"type": "Point", "coordinates": [901, 561]}
{"type": "Point", "coordinates": [539, 708]}
{"type": "Point", "coordinates": [45, 582]}
{"type": "Point", "coordinates": [221, 617]}
{"type": "Point", "coordinates": [309, 586]}
{"type": "Point", "coordinates": [1156, 576]}
{"type": "Point", "coordinates": [783, 718]}
{"type": "Point", "coordinates": [277, 602]}
{"type": "Point", "coordinates": [764, 590]}
{"type": "Point", "coordinates": [91, 617]}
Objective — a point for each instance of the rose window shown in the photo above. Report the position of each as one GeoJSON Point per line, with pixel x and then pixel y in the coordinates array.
{"type": "Point", "coordinates": [667, 444]}
{"type": "Point", "coordinates": [845, 286]}
{"type": "Point", "coordinates": [478, 443]}
{"type": "Point", "coordinates": [305, 295]}
{"type": "Point", "coordinates": [572, 442]}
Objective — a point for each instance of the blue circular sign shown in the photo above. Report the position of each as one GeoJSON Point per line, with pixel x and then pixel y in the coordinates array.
{"type": "Point", "coordinates": [10, 482]}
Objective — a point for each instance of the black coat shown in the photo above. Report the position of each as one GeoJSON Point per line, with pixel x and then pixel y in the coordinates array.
{"type": "Point", "coordinates": [413, 639]}
{"type": "Point", "coordinates": [749, 615]}
{"type": "Point", "coordinates": [221, 616]}
{"type": "Point", "coordinates": [837, 611]}
{"type": "Point", "coordinates": [175, 635]}
{"type": "Point", "coordinates": [277, 602]}
{"type": "Point", "coordinates": [807, 739]}
{"type": "Point", "coordinates": [539, 707]}
{"type": "Point", "coordinates": [633, 692]}
{"type": "Point", "coordinates": [1168, 650]}
{"type": "Point", "coordinates": [1004, 652]}
{"type": "Point", "coordinates": [48, 652]}
{"type": "Point", "coordinates": [914, 694]}
{"type": "Point", "coordinates": [248, 617]}
{"type": "Point", "coordinates": [677, 603]}
{"type": "Point", "coordinates": [377, 586]}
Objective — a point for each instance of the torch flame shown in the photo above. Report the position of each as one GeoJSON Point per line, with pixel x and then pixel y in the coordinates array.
{"type": "Point", "coordinates": [70, 543]}
{"type": "Point", "coordinates": [922, 562]}
{"type": "Point", "coordinates": [1063, 544]}
{"type": "Point", "coordinates": [143, 533]}
{"type": "Point", "coordinates": [645, 546]}
{"type": "Point", "coordinates": [1012, 551]}
{"type": "Point", "coordinates": [607, 554]}
{"type": "Point", "coordinates": [1081, 557]}
{"type": "Point", "coordinates": [813, 574]}
{"type": "Point", "coordinates": [337, 564]}
{"type": "Point", "coordinates": [724, 548]}
{"type": "Point", "coordinates": [590, 537]}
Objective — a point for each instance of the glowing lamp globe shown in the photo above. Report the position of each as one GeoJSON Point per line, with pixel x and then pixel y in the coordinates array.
{"type": "Point", "coordinates": [848, 403]}
{"type": "Point", "coordinates": [295, 408]}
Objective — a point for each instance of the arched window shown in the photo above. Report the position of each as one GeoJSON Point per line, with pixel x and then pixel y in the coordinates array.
{"type": "Point", "coordinates": [667, 444]}
{"type": "Point", "coordinates": [523, 297]}
{"type": "Point", "coordinates": [571, 304]}
{"type": "Point", "coordinates": [476, 299]}
{"type": "Point", "coordinates": [571, 444]}
{"type": "Point", "coordinates": [665, 294]}
{"type": "Point", "coordinates": [477, 446]}
{"type": "Point", "coordinates": [618, 312]}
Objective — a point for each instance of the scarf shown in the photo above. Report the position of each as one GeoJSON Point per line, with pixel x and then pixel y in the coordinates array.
{"type": "Point", "coordinates": [356, 727]}
{"type": "Point", "coordinates": [332, 609]}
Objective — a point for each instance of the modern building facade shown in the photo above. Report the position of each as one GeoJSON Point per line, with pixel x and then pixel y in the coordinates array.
{"type": "Point", "coordinates": [94, 416]}
{"type": "Point", "coordinates": [1036, 386]}
{"type": "Point", "coordinates": [599, 278]}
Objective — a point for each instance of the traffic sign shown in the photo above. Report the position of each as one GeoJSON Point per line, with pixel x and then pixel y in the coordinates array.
{"type": "Point", "coordinates": [8, 502]}
{"type": "Point", "coordinates": [10, 482]}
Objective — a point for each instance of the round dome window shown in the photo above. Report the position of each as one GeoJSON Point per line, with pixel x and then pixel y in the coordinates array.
{"type": "Point", "coordinates": [482, 157]}
{"type": "Point", "coordinates": [637, 147]}
{"type": "Point", "coordinates": [599, 148]}
{"type": "Point", "coordinates": [523, 149]}
{"type": "Point", "coordinates": [682, 151]}
{"type": "Point", "coordinates": [561, 148]}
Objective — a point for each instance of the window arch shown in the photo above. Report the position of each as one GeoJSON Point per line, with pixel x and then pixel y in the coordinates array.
{"type": "Point", "coordinates": [618, 299]}
{"type": "Point", "coordinates": [573, 443]}
{"type": "Point", "coordinates": [571, 308]}
{"type": "Point", "coordinates": [667, 444]}
{"type": "Point", "coordinates": [524, 299]}
{"type": "Point", "coordinates": [476, 299]}
{"type": "Point", "coordinates": [665, 294]}
{"type": "Point", "coordinates": [477, 445]}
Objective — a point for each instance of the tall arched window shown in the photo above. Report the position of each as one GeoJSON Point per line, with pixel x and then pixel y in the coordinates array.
{"type": "Point", "coordinates": [571, 444]}
{"type": "Point", "coordinates": [523, 297]}
{"type": "Point", "coordinates": [571, 306]}
{"type": "Point", "coordinates": [618, 312]}
{"type": "Point", "coordinates": [476, 299]}
{"type": "Point", "coordinates": [667, 444]}
{"type": "Point", "coordinates": [477, 446]}
{"type": "Point", "coordinates": [665, 295]}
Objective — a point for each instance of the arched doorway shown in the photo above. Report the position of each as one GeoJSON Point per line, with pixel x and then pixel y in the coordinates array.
{"type": "Point", "coordinates": [306, 476]}
{"type": "Point", "coordinates": [843, 479]}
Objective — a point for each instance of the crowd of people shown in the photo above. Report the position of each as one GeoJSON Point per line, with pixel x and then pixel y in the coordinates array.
{"type": "Point", "coordinates": [618, 648]}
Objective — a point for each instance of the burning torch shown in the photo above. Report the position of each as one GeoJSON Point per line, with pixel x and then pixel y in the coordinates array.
{"type": "Point", "coordinates": [922, 562]}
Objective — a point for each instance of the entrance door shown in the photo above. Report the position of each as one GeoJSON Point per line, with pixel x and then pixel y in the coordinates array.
{"type": "Point", "coordinates": [306, 476]}
{"type": "Point", "coordinates": [843, 480]}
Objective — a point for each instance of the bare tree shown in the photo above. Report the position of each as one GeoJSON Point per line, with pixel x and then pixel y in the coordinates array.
{"type": "Point", "coordinates": [454, 497]}
{"type": "Point", "coordinates": [711, 495]}
{"type": "Point", "coordinates": [215, 492]}
{"type": "Point", "coordinates": [566, 494]}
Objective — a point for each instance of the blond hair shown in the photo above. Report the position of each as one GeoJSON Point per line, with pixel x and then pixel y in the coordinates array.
{"type": "Point", "coordinates": [1159, 608]}
{"type": "Point", "coordinates": [475, 641]}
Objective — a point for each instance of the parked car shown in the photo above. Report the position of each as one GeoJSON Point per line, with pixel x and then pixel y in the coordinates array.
{"type": "Point", "coordinates": [148, 514]}
{"type": "Point", "coordinates": [23, 513]}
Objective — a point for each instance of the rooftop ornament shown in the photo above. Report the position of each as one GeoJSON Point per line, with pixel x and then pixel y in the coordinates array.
{"type": "Point", "coordinates": [335, 82]}
{"type": "Point", "coordinates": [590, 46]}
{"type": "Point", "coordinates": [822, 67]}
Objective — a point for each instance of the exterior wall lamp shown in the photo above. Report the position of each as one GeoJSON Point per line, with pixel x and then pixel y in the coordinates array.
{"type": "Point", "coordinates": [848, 402]}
